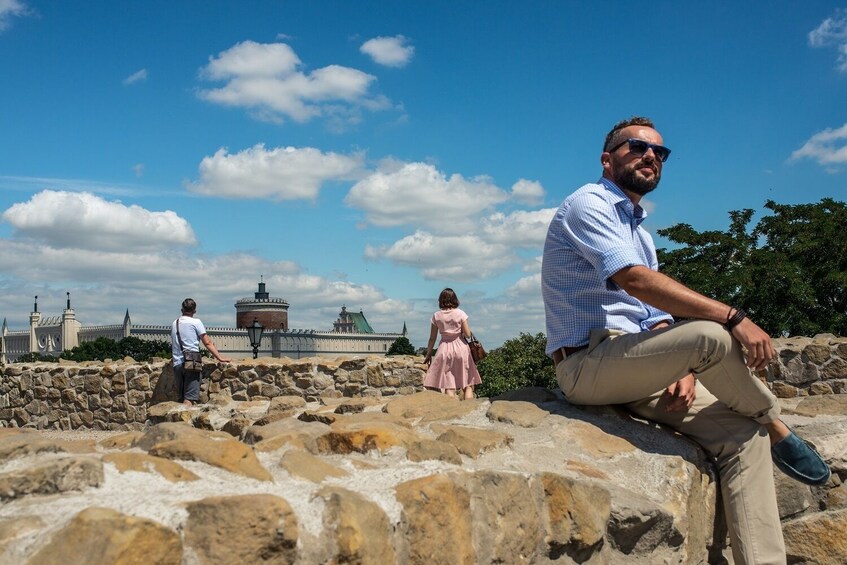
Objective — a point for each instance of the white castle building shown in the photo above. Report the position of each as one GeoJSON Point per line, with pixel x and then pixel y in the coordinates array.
{"type": "Point", "coordinates": [351, 333]}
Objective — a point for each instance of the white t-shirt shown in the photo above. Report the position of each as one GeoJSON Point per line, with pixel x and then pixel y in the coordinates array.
{"type": "Point", "coordinates": [190, 330]}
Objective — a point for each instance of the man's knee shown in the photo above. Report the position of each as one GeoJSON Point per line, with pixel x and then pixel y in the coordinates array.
{"type": "Point", "coordinates": [712, 338]}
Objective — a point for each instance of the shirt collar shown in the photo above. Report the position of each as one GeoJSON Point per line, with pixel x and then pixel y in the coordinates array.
{"type": "Point", "coordinates": [637, 213]}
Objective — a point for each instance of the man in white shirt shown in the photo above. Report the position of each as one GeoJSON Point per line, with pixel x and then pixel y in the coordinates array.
{"type": "Point", "coordinates": [187, 332]}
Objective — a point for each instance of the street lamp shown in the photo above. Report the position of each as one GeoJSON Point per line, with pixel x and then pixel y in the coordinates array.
{"type": "Point", "coordinates": [255, 331]}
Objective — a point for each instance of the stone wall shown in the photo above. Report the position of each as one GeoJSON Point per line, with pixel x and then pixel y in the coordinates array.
{"type": "Point", "coordinates": [117, 395]}
{"type": "Point", "coordinates": [808, 366]}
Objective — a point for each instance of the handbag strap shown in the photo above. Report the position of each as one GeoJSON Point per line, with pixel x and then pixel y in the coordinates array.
{"type": "Point", "coordinates": [179, 338]}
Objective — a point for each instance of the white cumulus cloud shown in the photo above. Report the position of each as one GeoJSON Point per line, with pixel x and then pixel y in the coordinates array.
{"type": "Point", "coordinates": [833, 33]}
{"type": "Point", "coordinates": [418, 194]}
{"type": "Point", "coordinates": [10, 9]}
{"type": "Point", "coordinates": [138, 76]}
{"type": "Point", "coordinates": [265, 78]}
{"type": "Point", "coordinates": [82, 220]}
{"type": "Point", "coordinates": [828, 147]}
{"type": "Point", "coordinates": [528, 192]}
{"type": "Point", "coordinates": [281, 173]}
{"type": "Point", "coordinates": [389, 51]}
{"type": "Point", "coordinates": [520, 228]}
{"type": "Point", "coordinates": [455, 258]}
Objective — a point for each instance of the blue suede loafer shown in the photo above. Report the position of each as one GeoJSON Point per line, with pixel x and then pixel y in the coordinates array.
{"type": "Point", "coordinates": [799, 460]}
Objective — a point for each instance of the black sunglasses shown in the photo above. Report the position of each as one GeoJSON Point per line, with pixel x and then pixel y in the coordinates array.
{"type": "Point", "coordinates": [640, 147]}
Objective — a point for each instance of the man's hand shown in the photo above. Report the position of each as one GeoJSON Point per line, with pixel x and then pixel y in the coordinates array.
{"type": "Point", "coordinates": [680, 395]}
{"type": "Point", "coordinates": [760, 350]}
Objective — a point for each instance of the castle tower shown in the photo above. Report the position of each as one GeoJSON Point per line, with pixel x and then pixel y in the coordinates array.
{"type": "Point", "coordinates": [270, 312]}
{"type": "Point", "coordinates": [70, 327]}
{"type": "Point", "coordinates": [34, 318]}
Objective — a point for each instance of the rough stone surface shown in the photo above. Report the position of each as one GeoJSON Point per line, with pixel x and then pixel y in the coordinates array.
{"type": "Point", "coordinates": [101, 535]}
{"type": "Point", "coordinates": [392, 476]}
{"type": "Point", "coordinates": [242, 529]}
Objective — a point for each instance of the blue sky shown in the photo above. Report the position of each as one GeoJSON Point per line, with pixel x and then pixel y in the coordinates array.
{"type": "Point", "coordinates": [369, 154]}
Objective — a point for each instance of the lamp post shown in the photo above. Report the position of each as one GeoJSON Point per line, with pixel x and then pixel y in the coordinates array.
{"type": "Point", "coordinates": [254, 332]}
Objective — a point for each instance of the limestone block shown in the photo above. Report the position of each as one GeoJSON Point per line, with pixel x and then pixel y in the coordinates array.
{"type": "Point", "coordinates": [323, 381]}
{"type": "Point", "coordinates": [355, 405]}
{"type": "Point", "coordinates": [347, 437]}
{"type": "Point", "coordinates": [360, 529]}
{"type": "Point", "coordinates": [101, 535]}
{"type": "Point", "coordinates": [783, 390]}
{"type": "Point", "coordinates": [820, 388]}
{"type": "Point", "coordinates": [16, 443]}
{"type": "Point", "coordinates": [287, 404]}
{"type": "Point", "coordinates": [639, 527]}
{"type": "Point", "coordinates": [259, 528]}
{"type": "Point", "coordinates": [12, 529]}
{"type": "Point", "coordinates": [144, 463]}
{"type": "Point", "coordinates": [517, 412]}
{"type": "Point", "coordinates": [293, 433]}
{"type": "Point", "coordinates": [426, 449]}
{"type": "Point", "coordinates": [830, 404]}
{"type": "Point", "coordinates": [817, 538]}
{"type": "Point", "coordinates": [578, 513]}
{"type": "Point", "coordinates": [792, 497]}
{"type": "Point", "coordinates": [140, 382]}
{"type": "Point", "coordinates": [135, 397]}
{"type": "Point", "coordinates": [507, 521]}
{"type": "Point", "coordinates": [52, 476]}
{"type": "Point", "coordinates": [835, 369]}
{"type": "Point", "coordinates": [61, 380]}
{"type": "Point", "coordinates": [254, 388]}
{"type": "Point", "coordinates": [429, 406]}
{"type": "Point", "coordinates": [473, 442]}
{"type": "Point", "coordinates": [435, 521]}
{"type": "Point", "coordinates": [228, 454]}
{"type": "Point", "coordinates": [374, 376]}
{"type": "Point", "coordinates": [817, 353]}
{"type": "Point", "coordinates": [305, 466]}
{"type": "Point", "coordinates": [92, 383]}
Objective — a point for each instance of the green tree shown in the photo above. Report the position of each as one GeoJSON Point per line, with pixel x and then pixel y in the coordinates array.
{"type": "Point", "coordinates": [401, 346]}
{"type": "Point", "coordinates": [142, 349]}
{"type": "Point", "coordinates": [100, 349]}
{"type": "Point", "coordinates": [519, 362]}
{"type": "Point", "coordinates": [789, 272]}
{"type": "Point", "coordinates": [35, 357]}
{"type": "Point", "coordinates": [104, 348]}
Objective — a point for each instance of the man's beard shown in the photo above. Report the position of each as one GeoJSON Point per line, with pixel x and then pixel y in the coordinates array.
{"type": "Point", "coordinates": [627, 179]}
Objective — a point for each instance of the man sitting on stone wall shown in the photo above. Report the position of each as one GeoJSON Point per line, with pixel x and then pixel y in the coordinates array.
{"type": "Point", "coordinates": [611, 334]}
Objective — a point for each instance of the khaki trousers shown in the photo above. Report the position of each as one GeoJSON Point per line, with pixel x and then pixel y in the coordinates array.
{"type": "Point", "coordinates": [726, 418]}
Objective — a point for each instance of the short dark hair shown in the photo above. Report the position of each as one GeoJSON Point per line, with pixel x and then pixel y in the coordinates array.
{"type": "Point", "coordinates": [614, 135]}
{"type": "Point", "coordinates": [448, 299]}
{"type": "Point", "coordinates": [188, 305]}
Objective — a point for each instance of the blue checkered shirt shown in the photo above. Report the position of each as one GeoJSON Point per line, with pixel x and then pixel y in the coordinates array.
{"type": "Point", "coordinates": [595, 233]}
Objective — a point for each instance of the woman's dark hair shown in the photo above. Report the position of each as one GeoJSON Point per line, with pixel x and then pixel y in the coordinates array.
{"type": "Point", "coordinates": [448, 299]}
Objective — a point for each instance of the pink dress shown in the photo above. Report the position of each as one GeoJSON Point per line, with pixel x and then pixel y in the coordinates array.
{"type": "Point", "coordinates": [452, 366]}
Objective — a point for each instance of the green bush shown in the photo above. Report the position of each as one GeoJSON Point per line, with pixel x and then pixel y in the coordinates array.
{"type": "Point", "coordinates": [35, 357]}
{"type": "Point", "coordinates": [104, 348]}
{"type": "Point", "coordinates": [401, 346]}
{"type": "Point", "coordinates": [518, 363]}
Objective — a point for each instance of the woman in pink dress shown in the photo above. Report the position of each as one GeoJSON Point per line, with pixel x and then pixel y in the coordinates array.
{"type": "Point", "coordinates": [452, 368]}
